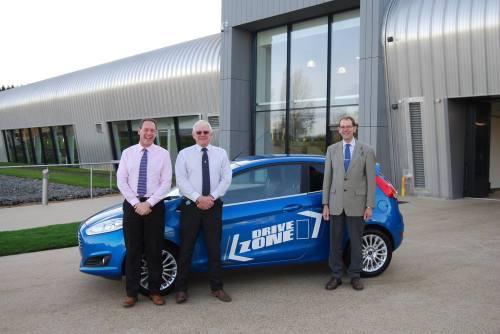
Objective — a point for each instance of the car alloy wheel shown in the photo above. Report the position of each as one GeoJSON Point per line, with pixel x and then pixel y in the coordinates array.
{"type": "Point", "coordinates": [377, 252]}
{"type": "Point", "coordinates": [168, 273]}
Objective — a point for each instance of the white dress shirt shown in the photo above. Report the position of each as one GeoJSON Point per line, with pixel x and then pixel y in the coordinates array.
{"type": "Point", "coordinates": [351, 148]}
{"type": "Point", "coordinates": [188, 171]}
{"type": "Point", "coordinates": [159, 179]}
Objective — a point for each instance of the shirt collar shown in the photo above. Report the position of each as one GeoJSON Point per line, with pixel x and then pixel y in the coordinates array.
{"type": "Point", "coordinates": [352, 143]}
{"type": "Point", "coordinates": [141, 148]}
{"type": "Point", "coordinates": [198, 147]}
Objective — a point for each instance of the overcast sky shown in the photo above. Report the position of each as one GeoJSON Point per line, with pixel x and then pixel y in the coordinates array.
{"type": "Point", "coordinates": [43, 39]}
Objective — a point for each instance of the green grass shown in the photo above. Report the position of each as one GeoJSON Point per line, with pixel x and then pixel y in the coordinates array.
{"type": "Point", "coordinates": [38, 239]}
{"type": "Point", "coordinates": [63, 175]}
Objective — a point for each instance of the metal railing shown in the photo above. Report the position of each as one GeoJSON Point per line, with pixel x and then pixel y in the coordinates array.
{"type": "Point", "coordinates": [91, 166]}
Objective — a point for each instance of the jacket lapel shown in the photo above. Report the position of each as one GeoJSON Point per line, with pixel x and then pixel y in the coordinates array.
{"type": "Point", "coordinates": [358, 152]}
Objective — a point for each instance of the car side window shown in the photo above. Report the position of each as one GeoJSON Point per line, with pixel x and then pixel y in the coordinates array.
{"type": "Point", "coordinates": [264, 182]}
{"type": "Point", "coordinates": [316, 172]}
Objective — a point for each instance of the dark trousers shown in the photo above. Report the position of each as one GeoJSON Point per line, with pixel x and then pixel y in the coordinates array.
{"type": "Point", "coordinates": [355, 227]}
{"type": "Point", "coordinates": [143, 235]}
{"type": "Point", "coordinates": [192, 219]}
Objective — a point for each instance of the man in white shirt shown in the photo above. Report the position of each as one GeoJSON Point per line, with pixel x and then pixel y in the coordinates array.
{"type": "Point", "coordinates": [348, 197]}
{"type": "Point", "coordinates": [203, 175]}
{"type": "Point", "coordinates": [144, 178]}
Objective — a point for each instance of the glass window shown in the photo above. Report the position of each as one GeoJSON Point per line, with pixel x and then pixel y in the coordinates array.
{"type": "Point", "coordinates": [37, 143]}
{"type": "Point", "coordinates": [120, 136]}
{"type": "Point", "coordinates": [19, 146]}
{"type": "Point", "coordinates": [270, 132]}
{"type": "Point", "coordinates": [71, 140]}
{"type": "Point", "coordinates": [186, 130]}
{"type": "Point", "coordinates": [308, 67]}
{"type": "Point", "coordinates": [25, 135]}
{"type": "Point", "coordinates": [262, 183]}
{"type": "Point", "coordinates": [271, 69]}
{"type": "Point", "coordinates": [48, 146]}
{"type": "Point", "coordinates": [60, 145]}
{"type": "Point", "coordinates": [316, 172]}
{"type": "Point", "coordinates": [11, 150]}
{"type": "Point", "coordinates": [165, 136]}
{"type": "Point", "coordinates": [308, 131]}
{"type": "Point", "coordinates": [345, 58]}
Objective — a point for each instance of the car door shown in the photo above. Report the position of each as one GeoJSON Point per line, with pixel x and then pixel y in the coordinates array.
{"type": "Point", "coordinates": [260, 215]}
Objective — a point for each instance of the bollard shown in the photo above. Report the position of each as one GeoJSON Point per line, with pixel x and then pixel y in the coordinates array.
{"type": "Point", "coordinates": [45, 186]}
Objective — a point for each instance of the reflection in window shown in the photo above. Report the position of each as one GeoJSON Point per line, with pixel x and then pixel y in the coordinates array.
{"type": "Point", "coordinates": [271, 69]}
{"type": "Point", "coordinates": [71, 141]}
{"type": "Point", "coordinates": [25, 136]}
{"type": "Point", "coordinates": [19, 147]}
{"type": "Point", "coordinates": [309, 54]}
{"type": "Point", "coordinates": [120, 136]}
{"type": "Point", "coordinates": [307, 131]}
{"type": "Point", "coordinates": [270, 132]}
{"type": "Point", "coordinates": [267, 182]}
{"type": "Point", "coordinates": [37, 143]}
{"type": "Point", "coordinates": [11, 150]}
{"type": "Point", "coordinates": [345, 60]}
{"type": "Point", "coordinates": [60, 145]}
{"type": "Point", "coordinates": [48, 145]}
{"type": "Point", "coordinates": [316, 172]}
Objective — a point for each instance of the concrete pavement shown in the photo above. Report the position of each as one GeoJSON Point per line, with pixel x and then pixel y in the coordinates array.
{"type": "Point", "coordinates": [443, 279]}
{"type": "Point", "coordinates": [36, 215]}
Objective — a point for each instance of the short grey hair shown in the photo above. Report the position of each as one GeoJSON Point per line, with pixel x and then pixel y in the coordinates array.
{"type": "Point", "coordinates": [202, 122]}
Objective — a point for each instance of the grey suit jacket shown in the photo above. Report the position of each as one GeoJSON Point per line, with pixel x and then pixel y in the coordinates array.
{"type": "Point", "coordinates": [350, 191]}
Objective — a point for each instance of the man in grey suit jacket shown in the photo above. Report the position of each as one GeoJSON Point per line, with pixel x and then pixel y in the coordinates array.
{"type": "Point", "coordinates": [348, 196]}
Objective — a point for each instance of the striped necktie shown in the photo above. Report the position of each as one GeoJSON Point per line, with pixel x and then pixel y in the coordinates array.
{"type": "Point", "coordinates": [347, 156]}
{"type": "Point", "coordinates": [142, 185]}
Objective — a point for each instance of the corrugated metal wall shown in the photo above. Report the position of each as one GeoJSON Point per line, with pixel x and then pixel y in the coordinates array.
{"type": "Point", "coordinates": [440, 49]}
{"type": "Point", "coordinates": [178, 80]}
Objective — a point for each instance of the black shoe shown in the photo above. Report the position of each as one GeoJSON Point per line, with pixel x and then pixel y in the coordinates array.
{"type": "Point", "coordinates": [357, 284]}
{"type": "Point", "coordinates": [333, 283]}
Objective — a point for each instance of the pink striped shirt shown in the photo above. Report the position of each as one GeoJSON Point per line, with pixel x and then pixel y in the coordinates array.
{"type": "Point", "coordinates": [159, 173]}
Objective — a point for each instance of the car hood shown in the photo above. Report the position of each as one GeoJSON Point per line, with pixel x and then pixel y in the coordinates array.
{"type": "Point", "coordinates": [116, 211]}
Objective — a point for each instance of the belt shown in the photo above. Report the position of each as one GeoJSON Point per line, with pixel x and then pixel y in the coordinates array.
{"type": "Point", "coordinates": [142, 199]}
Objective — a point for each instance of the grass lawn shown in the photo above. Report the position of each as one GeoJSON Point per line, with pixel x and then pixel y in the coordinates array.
{"type": "Point", "coordinates": [38, 239]}
{"type": "Point", "coordinates": [64, 175]}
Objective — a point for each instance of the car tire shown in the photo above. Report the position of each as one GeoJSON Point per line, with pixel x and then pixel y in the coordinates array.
{"type": "Point", "coordinates": [169, 270]}
{"type": "Point", "coordinates": [377, 253]}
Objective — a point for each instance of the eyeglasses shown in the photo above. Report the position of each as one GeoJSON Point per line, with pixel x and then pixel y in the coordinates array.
{"type": "Point", "coordinates": [346, 127]}
{"type": "Point", "coordinates": [204, 132]}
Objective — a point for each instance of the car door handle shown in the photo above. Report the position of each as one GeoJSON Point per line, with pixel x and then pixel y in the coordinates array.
{"type": "Point", "coordinates": [292, 207]}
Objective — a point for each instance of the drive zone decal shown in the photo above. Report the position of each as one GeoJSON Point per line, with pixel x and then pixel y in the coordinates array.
{"type": "Point", "coordinates": [274, 235]}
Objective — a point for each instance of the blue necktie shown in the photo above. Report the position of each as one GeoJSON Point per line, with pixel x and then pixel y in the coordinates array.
{"type": "Point", "coordinates": [143, 175]}
{"type": "Point", "coordinates": [205, 173]}
{"type": "Point", "coordinates": [347, 156]}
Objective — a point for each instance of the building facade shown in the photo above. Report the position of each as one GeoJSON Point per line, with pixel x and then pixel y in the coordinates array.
{"type": "Point", "coordinates": [422, 78]}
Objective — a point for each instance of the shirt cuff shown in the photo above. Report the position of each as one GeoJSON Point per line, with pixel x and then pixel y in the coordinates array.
{"type": "Point", "coordinates": [215, 195]}
{"type": "Point", "coordinates": [194, 196]}
{"type": "Point", "coordinates": [133, 201]}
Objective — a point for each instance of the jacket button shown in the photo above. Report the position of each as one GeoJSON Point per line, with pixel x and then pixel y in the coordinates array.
{"type": "Point", "coordinates": [345, 179]}
{"type": "Point", "coordinates": [345, 189]}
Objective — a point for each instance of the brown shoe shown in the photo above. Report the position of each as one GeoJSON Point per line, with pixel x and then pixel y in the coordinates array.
{"type": "Point", "coordinates": [357, 284]}
{"type": "Point", "coordinates": [129, 301]}
{"type": "Point", "coordinates": [157, 299]}
{"type": "Point", "coordinates": [333, 283]}
{"type": "Point", "coordinates": [221, 295]}
{"type": "Point", "coordinates": [180, 297]}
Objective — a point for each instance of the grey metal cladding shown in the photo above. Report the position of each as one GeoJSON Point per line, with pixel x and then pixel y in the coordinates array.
{"type": "Point", "coordinates": [182, 79]}
{"type": "Point", "coordinates": [242, 11]}
{"type": "Point", "coordinates": [449, 47]}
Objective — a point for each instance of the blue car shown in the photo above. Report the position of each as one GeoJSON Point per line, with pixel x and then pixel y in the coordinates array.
{"type": "Point", "coordinates": [271, 215]}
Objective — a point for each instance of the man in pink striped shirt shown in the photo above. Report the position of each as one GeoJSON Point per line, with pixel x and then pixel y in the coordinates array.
{"type": "Point", "coordinates": [144, 178]}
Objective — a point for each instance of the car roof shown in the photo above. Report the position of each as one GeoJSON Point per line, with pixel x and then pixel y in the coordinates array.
{"type": "Point", "coordinates": [257, 160]}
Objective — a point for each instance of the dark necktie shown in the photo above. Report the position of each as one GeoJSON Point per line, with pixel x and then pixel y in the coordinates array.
{"type": "Point", "coordinates": [142, 184]}
{"type": "Point", "coordinates": [347, 156]}
{"type": "Point", "coordinates": [205, 172]}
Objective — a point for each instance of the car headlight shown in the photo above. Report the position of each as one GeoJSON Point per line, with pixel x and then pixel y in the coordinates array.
{"type": "Point", "coordinates": [105, 226]}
